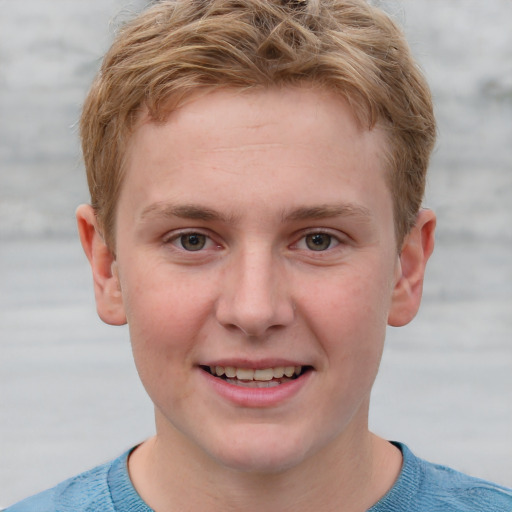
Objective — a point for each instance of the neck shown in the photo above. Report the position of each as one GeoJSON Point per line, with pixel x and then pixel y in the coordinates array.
{"type": "Point", "coordinates": [350, 474]}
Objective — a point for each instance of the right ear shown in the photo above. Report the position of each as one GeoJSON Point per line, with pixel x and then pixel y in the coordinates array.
{"type": "Point", "coordinates": [107, 289]}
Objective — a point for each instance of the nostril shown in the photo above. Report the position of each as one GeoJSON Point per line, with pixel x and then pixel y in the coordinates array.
{"type": "Point", "coordinates": [255, 300]}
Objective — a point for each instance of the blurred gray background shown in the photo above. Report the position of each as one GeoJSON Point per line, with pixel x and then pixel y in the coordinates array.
{"type": "Point", "coordinates": [69, 394]}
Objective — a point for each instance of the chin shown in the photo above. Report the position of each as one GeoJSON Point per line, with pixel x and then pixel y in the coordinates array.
{"type": "Point", "coordinates": [261, 451]}
{"type": "Point", "coordinates": [262, 462]}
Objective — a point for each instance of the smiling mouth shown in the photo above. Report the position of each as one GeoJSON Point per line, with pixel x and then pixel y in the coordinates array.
{"type": "Point", "coordinates": [256, 378]}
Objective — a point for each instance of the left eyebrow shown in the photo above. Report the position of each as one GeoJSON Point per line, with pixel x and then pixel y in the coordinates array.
{"type": "Point", "coordinates": [328, 211]}
{"type": "Point", "coordinates": [195, 212]}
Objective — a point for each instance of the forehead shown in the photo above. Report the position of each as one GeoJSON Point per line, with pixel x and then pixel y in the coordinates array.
{"type": "Point", "coordinates": [260, 142]}
{"type": "Point", "coordinates": [308, 102]}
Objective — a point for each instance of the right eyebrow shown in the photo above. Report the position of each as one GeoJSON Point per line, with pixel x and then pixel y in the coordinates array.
{"type": "Point", "coordinates": [184, 211]}
{"type": "Point", "coordinates": [196, 212]}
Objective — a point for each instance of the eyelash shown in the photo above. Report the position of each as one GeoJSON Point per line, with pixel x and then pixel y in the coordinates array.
{"type": "Point", "coordinates": [176, 239]}
{"type": "Point", "coordinates": [333, 241]}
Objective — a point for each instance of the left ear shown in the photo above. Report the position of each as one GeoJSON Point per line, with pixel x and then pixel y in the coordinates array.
{"type": "Point", "coordinates": [416, 250]}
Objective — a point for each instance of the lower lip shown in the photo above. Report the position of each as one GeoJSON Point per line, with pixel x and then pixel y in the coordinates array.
{"type": "Point", "coordinates": [256, 397]}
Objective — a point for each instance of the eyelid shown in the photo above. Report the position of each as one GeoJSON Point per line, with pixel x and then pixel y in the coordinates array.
{"type": "Point", "coordinates": [339, 237]}
{"type": "Point", "coordinates": [176, 234]}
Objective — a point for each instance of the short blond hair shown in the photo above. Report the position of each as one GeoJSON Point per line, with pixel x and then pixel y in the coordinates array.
{"type": "Point", "coordinates": [178, 47]}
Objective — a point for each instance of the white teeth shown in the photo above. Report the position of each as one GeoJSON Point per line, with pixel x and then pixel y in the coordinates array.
{"type": "Point", "coordinates": [230, 372]}
{"type": "Point", "coordinates": [265, 375]}
{"type": "Point", "coordinates": [289, 371]}
{"type": "Point", "coordinates": [278, 372]}
{"type": "Point", "coordinates": [253, 383]}
{"type": "Point", "coordinates": [244, 374]}
{"type": "Point", "coordinates": [260, 375]}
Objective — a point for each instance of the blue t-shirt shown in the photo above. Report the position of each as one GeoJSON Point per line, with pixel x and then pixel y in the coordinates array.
{"type": "Point", "coordinates": [421, 487]}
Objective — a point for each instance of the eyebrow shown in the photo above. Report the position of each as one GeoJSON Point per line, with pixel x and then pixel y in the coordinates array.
{"type": "Point", "coordinates": [195, 212]}
{"type": "Point", "coordinates": [183, 211]}
{"type": "Point", "coordinates": [328, 211]}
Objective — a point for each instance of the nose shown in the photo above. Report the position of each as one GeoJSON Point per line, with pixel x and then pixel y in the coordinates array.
{"type": "Point", "coordinates": [254, 297]}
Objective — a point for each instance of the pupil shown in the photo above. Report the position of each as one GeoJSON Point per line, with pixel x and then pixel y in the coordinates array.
{"type": "Point", "coordinates": [318, 241]}
{"type": "Point", "coordinates": [193, 242]}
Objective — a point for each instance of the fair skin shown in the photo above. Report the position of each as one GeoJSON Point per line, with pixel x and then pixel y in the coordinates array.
{"type": "Point", "coordinates": [255, 232]}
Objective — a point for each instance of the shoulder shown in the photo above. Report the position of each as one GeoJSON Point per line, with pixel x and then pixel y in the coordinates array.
{"type": "Point", "coordinates": [86, 492]}
{"type": "Point", "coordinates": [432, 487]}
{"type": "Point", "coordinates": [462, 492]}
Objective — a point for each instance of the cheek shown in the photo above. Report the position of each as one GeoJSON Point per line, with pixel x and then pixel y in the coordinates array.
{"type": "Point", "coordinates": [157, 296]}
{"type": "Point", "coordinates": [166, 314]}
{"type": "Point", "coordinates": [167, 320]}
{"type": "Point", "coordinates": [347, 304]}
{"type": "Point", "coordinates": [348, 316]}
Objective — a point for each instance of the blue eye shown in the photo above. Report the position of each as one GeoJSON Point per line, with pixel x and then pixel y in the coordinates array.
{"type": "Point", "coordinates": [318, 241]}
{"type": "Point", "coordinates": [192, 241]}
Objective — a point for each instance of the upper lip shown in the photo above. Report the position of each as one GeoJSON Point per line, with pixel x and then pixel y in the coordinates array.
{"type": "Point", "coordinates": [259, 364]}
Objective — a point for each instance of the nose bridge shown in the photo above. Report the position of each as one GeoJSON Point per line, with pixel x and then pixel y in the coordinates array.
{"type": "Point", "coordinates": [255, 297]}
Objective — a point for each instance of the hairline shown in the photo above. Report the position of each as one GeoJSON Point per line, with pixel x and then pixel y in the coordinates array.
{"type": "Point", "coordinates": [143, 116]}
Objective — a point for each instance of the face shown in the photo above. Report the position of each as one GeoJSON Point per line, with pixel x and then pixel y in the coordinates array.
{"type": "Point", "coordinates": [257, 266]}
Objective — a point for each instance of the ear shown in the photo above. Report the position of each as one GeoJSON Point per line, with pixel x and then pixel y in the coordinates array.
{"type": "Point", "coordinates": [416, 250]}
{"type": "Point", "coordinates": [107, 290]}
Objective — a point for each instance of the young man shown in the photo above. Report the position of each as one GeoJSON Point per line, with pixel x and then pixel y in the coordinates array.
{"type": "Point", "coordinates": [256, 170]}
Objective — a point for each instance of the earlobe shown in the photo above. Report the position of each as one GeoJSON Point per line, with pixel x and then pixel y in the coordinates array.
{"type": "Point", "coordinates": [107, 290]}
{"type": "Point", "coordinates": [416, 250]}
